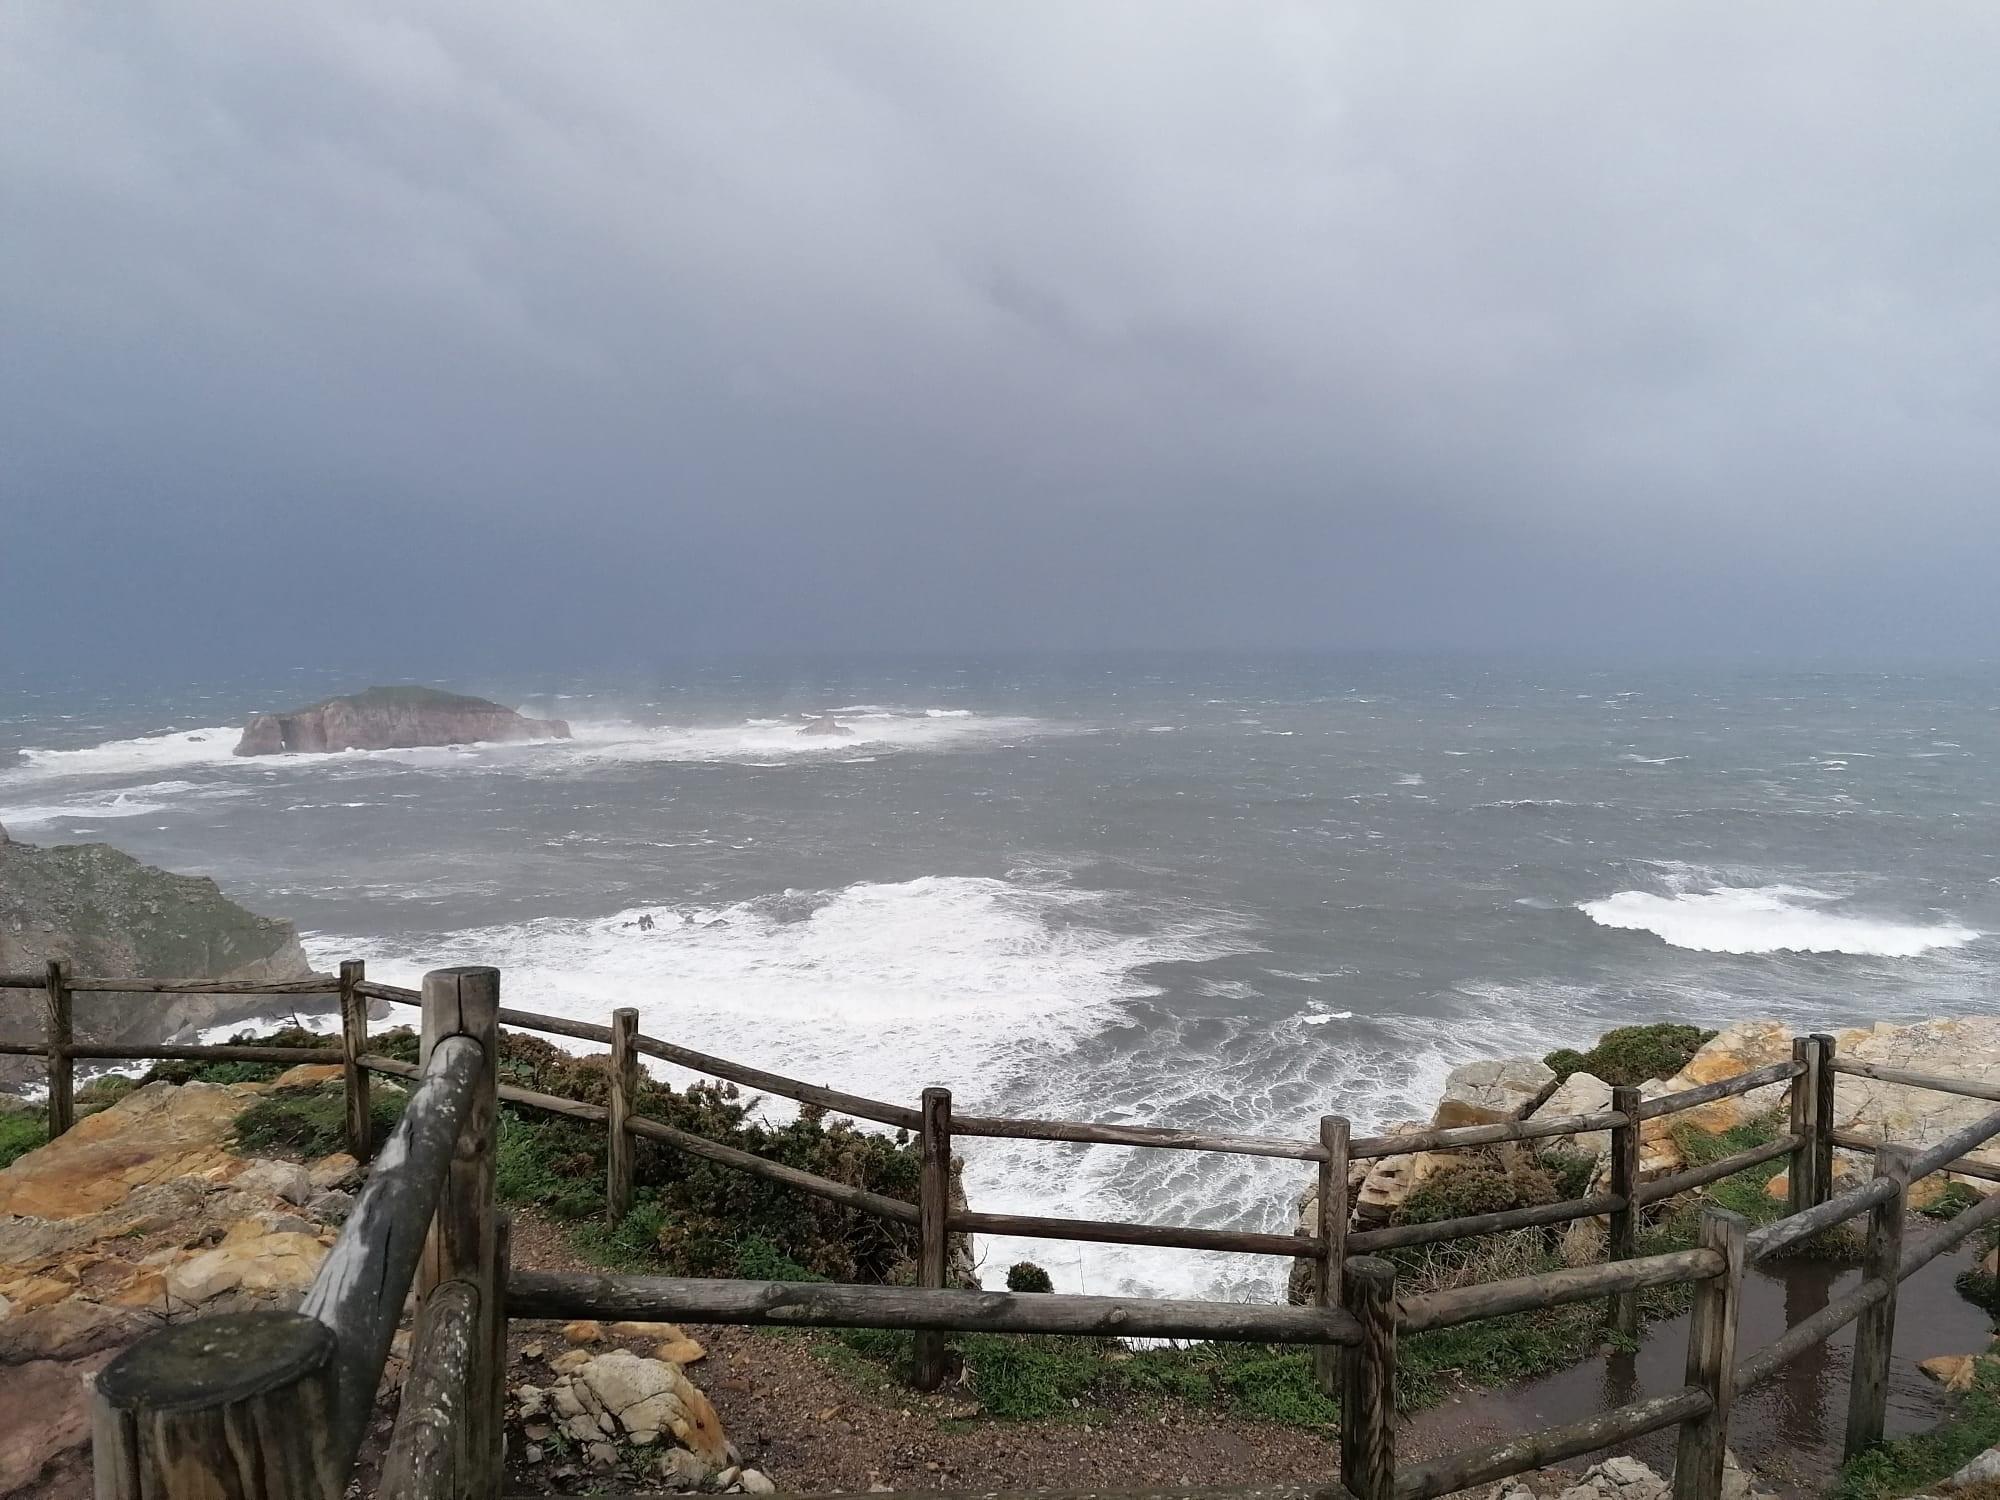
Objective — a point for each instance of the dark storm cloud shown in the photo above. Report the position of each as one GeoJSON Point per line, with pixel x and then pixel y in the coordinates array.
{"type": "Point", "coordinates": [742, 325]}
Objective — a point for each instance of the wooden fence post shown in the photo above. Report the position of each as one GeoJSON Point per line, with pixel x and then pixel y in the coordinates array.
{"type": "Point", "coordinates": [62, 1067]}
{"type": "Point", "coordinates": [1368, 1380]}
{"type": "Point", "coordinates": [1623, 1312]}
{"type": "Point", "coordinates": [624, 1078]}
{"type": "Point", "coordinates": [354, 1043]}
{"type": "Point", "coordinates": [933, 1239]}
{"type": "Point", "coordinates": [1875, 1329]}
{"type": "Point", "coordinates": [1334, 1135]}
{"type": "Point", "coordinates": [1804, 1100]}
{"type": "Point", "coordinates": [1711, 1360]}
{"type": "Point", "coordinates": [464, 1237]}
{"type": "Point", "coordinates": [233, 1407]}
{"type": "Point", "coordinates": [1825, 1118]}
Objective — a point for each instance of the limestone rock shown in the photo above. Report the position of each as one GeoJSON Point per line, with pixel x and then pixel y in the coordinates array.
{"type": "Point", "coordinates": [278, 1266]}
{"type": "Point", "coordinates": [1965, 1047]}
{"type": "Point", "coordinates": [392, 718]}
{"type": "Point", "coordinates": [629, 1329]}
{"type": "Point", "coordinates": [827, 728]}
{"type": "Point", "coordinates": [153, 1134]}
{"type": "Point", "coordinates": [336, 1171]}
{"type": "Point", "coordinates": [680, 1351]}
{"type": "Point", "coordinates": [1983, 1469]}
{"type": "Point", "coordinates": [1955, 1372]}
{"type": "Point", "coordinates": [1735, 1049]}
{"type": "Point", "coordinates": [1483, 1093]}
{"type": "Point", "coordinates": [308, 1076]}
{"type": "Point", "coordinates": [1578, 1094]}
{"type": "Point", "coordinates": [584, 1331]}
{"type": "Point", "coordinates": [281, 1179]}
{"type": "Point", "coordinates": [650, 1399]}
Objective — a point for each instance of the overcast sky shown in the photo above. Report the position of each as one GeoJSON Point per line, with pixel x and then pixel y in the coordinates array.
{"type": "Point", "coordinates": [582, 332]}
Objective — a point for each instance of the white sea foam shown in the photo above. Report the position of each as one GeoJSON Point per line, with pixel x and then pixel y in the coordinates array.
{"type": "Point", "coordinates": [132, 802]}
{"type": "Point", "coordinates": [1769, 919]}
{"type": "Point", "coordinates": [1410, 778]}
{"type": "Point", "coordinates": [779, 740]}
{"type": "Point", "coordinates": [173, 750]}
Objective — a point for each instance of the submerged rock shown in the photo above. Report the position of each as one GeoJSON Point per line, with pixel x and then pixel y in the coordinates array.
{"type": "Point", "coordinates": [827, 728]}
{"type": "Point", "coordinates": [392, 718]}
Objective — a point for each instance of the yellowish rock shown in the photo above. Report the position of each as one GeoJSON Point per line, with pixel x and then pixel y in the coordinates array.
{"type": "Point", "coordinates": [1955, 1372]}
{"type": "Point", "coordinates": [1732, 1051]}
{"type": "Point", "coordinates": [584, 1331]}
{"type": "Point", "coordinates": [308, 1076]}
{"type": "Point", "coordinates": [680, 1351]}
{"type": "Point", "coordinates": [332, 1171]}
{"type": "Point", "coordinates": [637, 1330]}
{"type": "Point", "coordinates": [270, 1264]}
{"type": "Point", "coordinates": [153, 1134]}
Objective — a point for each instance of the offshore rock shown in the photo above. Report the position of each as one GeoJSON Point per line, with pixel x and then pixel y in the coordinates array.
{"type": "Point", "coordinates": [827, 728]}
{"type": "Point", "coordinates": [392, 718]}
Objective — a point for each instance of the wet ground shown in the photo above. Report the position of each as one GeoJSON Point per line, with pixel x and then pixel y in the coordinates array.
{"type": "Point", "coordinates": [1788, 1429]}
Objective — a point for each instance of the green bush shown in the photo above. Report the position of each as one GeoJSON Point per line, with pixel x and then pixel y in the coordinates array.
{"type": "Point", "coordinates": [1630, 1055]}
{"type": "Point", "coordinates": [187, 1070]}
{"type": "Point", "coordinates": [1026, 1276]}
{"type": "Point", "coordinates": [20, 1132]}
{"type": "Point", "coordinates": [310, 1123]}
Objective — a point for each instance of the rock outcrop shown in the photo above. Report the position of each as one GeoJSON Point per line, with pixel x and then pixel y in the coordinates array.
{"type": "Point", "coordinates": [392, 718]}
{"type": "Point", "coordinates": [828, 728]}
{"type": "Point", "coordinates": [140, 1215]}
{"type": "Point", "coordinates": [107, 913]}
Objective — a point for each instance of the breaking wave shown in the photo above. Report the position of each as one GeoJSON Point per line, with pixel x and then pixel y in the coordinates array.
{"type": "Point", "coordinates": [1769, 919]}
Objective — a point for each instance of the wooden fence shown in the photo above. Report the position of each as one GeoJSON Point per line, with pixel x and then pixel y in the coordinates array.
{"type": "Point", "coordinates": [183, 1401]}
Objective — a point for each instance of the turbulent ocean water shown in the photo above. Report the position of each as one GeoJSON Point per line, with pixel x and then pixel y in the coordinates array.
{"type": "Point", "coordinates": [1209, 892]}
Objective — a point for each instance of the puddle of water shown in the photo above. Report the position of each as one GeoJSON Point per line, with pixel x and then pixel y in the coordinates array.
{"type": "Point", "coordinates": [1789, 1429]}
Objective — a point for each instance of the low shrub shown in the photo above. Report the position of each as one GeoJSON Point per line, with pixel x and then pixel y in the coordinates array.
{"type": "Point", "coordinates": [1629, 1055]}
{"type": "Point", "coordinates": [21, 1130]}
{"type": "Point", "coordinates": [1026, 1276]}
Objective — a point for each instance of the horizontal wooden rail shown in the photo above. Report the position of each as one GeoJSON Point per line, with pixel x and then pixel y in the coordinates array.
{"type": "Point", "coordinates": [1100, 1231]}
{"type": "Point", "coordinates": [391, 992]}
{"type": "Point", "coordinates": [1725, 1088]}
{"type": "Point", "coordinates": [23, 981]}
{"type": "Point", "coordinates": [1495, 1299]}
{"type": "Point", "coordinates": [1477, 1466]}
{"type": "Point", "coordinates": [1853, 1140]}
{"type": "Point", "coordinates": [1396, 1236]}
{"type": "Point", "coordinates": [318, 984]}
{"type": "Point", "coordinates": [1801, 1336]}
{"type": "Point", "coordinates": [1459, 1136]}
{"type": "Point", "coordinates": [359, 1290]}
{"type": "Point", "coordinates": [1134, 1135]}
{"type": "Point", "coordinates": [808, 1304]}
{"type": "Point", "coordinates": [1781, 1233]}
{"type": "Point", "coordinates": [1953, 1232]}
{"type": "Point", "coordinates": [1715, 1171]}
{"type": "Point", "coordinates": [1964, 1087]}
{"type": "Point", "coordinates": [1959, 1143]}
{"type": "Point", "coordinates": [777, 1083]}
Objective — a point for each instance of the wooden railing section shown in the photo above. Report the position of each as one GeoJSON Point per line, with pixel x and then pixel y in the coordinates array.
{"type": "Point", "coordinates": [273, 1404]}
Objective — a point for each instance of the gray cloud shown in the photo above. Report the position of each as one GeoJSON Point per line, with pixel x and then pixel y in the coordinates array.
{"type": "Point", "coordinates": [757, 326]}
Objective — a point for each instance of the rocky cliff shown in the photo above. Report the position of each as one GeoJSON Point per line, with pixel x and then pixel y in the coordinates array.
{"type": "Point", "coordinates": [109, 914]}
{"type": "Point", "coordinates": [392, 718]}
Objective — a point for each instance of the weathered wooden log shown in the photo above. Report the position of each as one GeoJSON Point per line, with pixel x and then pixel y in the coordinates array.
{"type": "Point", "coordinates": [1368, 1380]}
{"type": "Point", "coordinates": [1921, 1252]}
{"type": "Point", "coordinates": [1802, 1101]}
{"type": "Point", "coordinates": [1783, 1233]}
{"type": "Point", "coordinates": [1939, 1083]}
{"type": "Point", "coordinates": [495, 1314]}
{"type": "Point", "coordinates": [1460, 1136]}
{"type": "Point", "coordinates": [61, 1038]}
{"type": "Point", "coordinates": [1825, 1112]}
{"type": "Point", "coordinates": [427, 1458]}
{"type": "Point", "coordinates": [777, 1083]}
{"type": "Point", "coordinates": [1335, 1133]}
{"type": "Point", "coordinates": [24, 1049]}
{"type": "Point", "coordinates": [1098, 1231]}
{"type": "Point", "coordinates": [1808, 1333]}
{"type": "Point", "coordinates": [21, 981]}
{"type": "Point", "coordinates": [1493, 1299]}
{"type": "Point", "coordinates": [318, 984]}
{"type": "Point", "coordinates": [353, 1047]}
{"type": "Point", "coordinates": [1875, 1330]}
{"type": "Point", "coordinates": [204, 1052]}
{"type": "Point", "coordinates": [234, 1407]}
{"type": "Point", "coordinates": [684, 1299]}
{"type": "Point", "coordinates": [1477, 1466]}
{"type": "Point", "coordinates": [1700, 1452]}
{"type": "Point", "coordinates": [756, 1166]}
{"type": "Point", "coordinates": [1396, 1236]}
{"type": "Point", "coordinates": [623, 1078]}
{"type": "Point", "coordinates": [933, 1209]}
{"type": "Point", "coordinates": [1715, 1171]}
{"type": "Point", "coordinates": [1708, 1093]}
{"type": "Point", "coordinates": [364, 1279]}
{"type": "Point", "coordinates": [1959, 1143]}
{"type": "Point", "coordinates": [528, 1020]}
{"type": "Point", "coordinates": [394, 1067]}
{"type": "Point", "coordinates": [1965, 1166]}
{"type": "Point", "coordinates": [1158, 1136]}
{"type": "Point", "coordinates": [462, 1005]}
{"type": "Point", "coordinates": [1622, 1243]}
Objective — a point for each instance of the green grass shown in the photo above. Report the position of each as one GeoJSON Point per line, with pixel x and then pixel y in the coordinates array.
{"type": "Point", "coordinates": [1910, 1464]}
{"type": "Point", "coordinates": [20, 1132]}
{"type": "Point", "coordinates": [310, 1123]}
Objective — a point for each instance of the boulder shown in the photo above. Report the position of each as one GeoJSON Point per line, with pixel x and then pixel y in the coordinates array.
{"type": "Point", "coordinates": [650, 1399]}
{"type": "Point", "coordinates": [1483, 1093]}
{"type": "Point", "coordinates": [827, 728]}
{"type": "Point", "coordinates": [1981, 1472]}
{"type": "Point", "coordinates": [391, 718]}
{"type": "Point", "coordinates": [154, 1134]}
{"type": "Point", "coordinates": [1578, 1094]}
{"type": "Point", "coordinates": [1735, 1049]}
{"type": "Point", "coordinates": [1955, 1372]}
{"type": "Point", "coordinates": [309, 1076]}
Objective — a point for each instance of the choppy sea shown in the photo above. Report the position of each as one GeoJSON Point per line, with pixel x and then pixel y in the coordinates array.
{"type": "Point", "coordinates": [1227, 892]}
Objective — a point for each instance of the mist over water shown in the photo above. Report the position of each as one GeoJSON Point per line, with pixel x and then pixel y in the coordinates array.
{"type": "Point", "coordinates": [1216, 893]}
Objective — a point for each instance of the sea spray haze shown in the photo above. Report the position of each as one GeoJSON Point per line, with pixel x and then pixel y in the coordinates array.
{"type": "Point", "coordinates": [1213, 892]}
